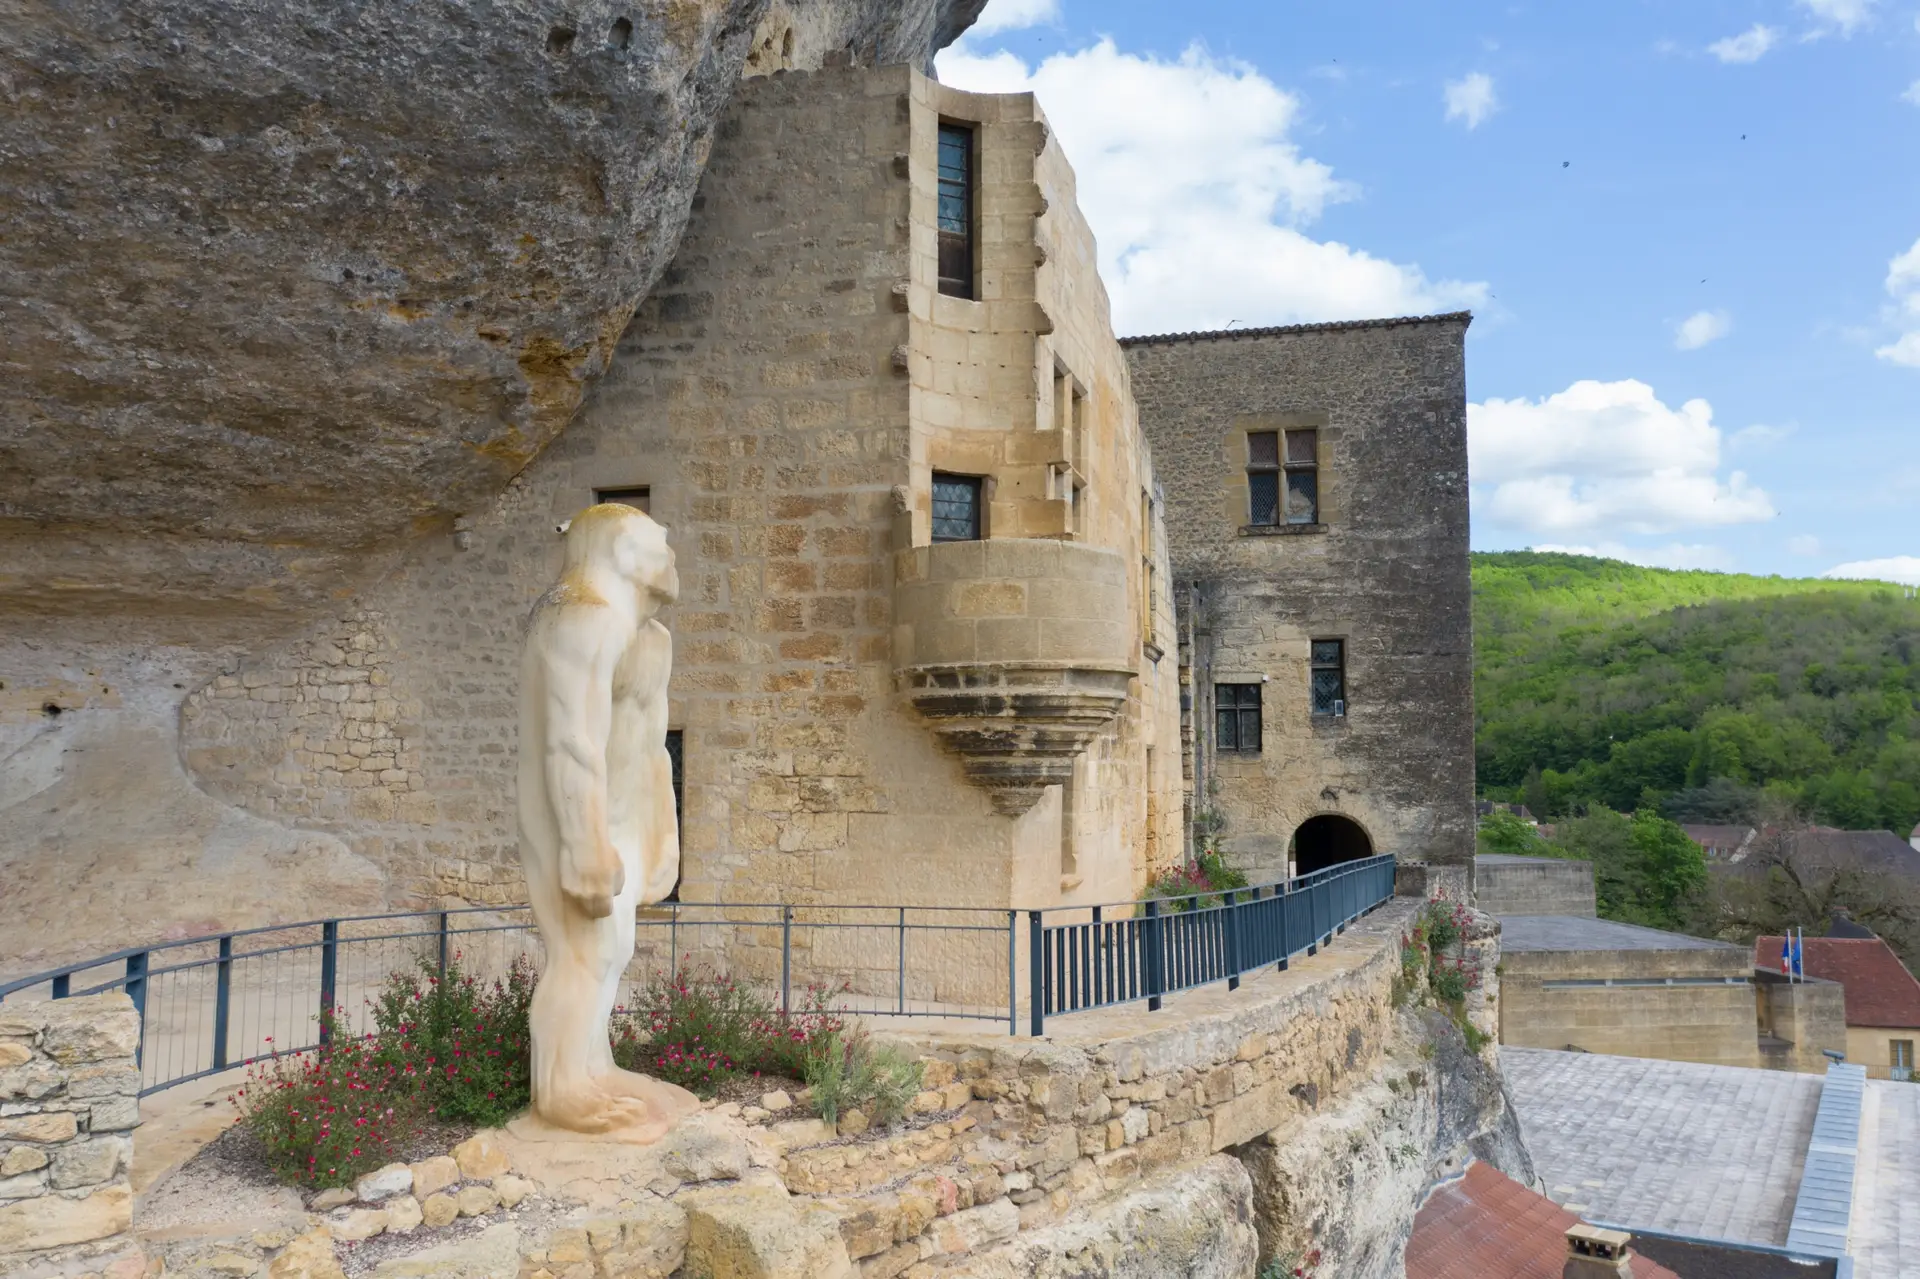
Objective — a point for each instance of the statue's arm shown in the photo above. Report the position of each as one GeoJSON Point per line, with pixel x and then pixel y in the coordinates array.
{"type": "Point", "coordinates": [579, 660]}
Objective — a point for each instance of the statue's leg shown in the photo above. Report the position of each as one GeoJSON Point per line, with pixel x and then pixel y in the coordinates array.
{"type": "Point", "coordinates": [566, 1023]}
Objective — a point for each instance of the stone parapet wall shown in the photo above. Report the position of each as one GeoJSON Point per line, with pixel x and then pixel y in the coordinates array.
{"type": "Point", "coordinates": [1533, 886]}
{"type": "Point", "coordinates": [69, 1100]}
{"type": "Point", "coordinates": [1694, 1004]}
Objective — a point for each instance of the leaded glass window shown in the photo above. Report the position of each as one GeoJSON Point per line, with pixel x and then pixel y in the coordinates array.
{"type": "Point", "coordinates": [956, 210]}
{"type": "Point", "coordinates": [1236, 712]}
{"type": "Point", "coordinates": [956, 508]}
{"type": "Point", "coordinates": [1329, 677]}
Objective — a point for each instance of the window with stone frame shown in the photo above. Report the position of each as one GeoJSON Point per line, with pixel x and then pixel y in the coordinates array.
{"type": "Point", "coordinates": [1283, 477]}
{"type": "Point", "coordinates": [955, 213]}
{"type": "Point", "coordinates": [1328, 676]}
{"type": "Point", "coordinates": [1236, 716]}
{"type": "Point", "coordinates": [956, 507]}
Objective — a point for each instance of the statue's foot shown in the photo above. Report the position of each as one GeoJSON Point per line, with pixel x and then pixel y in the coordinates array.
{"type": "Point", "coordinates": [593, 1110]}
{"type": "Point", "coordinates": [655, 1092]}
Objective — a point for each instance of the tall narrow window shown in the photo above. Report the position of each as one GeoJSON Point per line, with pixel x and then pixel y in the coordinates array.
{"type": "Point", "coordinates": [1329, 676]}
{"type": "Point", "coordinates": [641, 499]}
{"type": "Point", "coordinates": [956, 210]}
{"type": "Point", "coordinates": [1303, 477]}
{"type": "Point", "coordinates": [1236, 713]}
{"type": "Point", "coordinates": [1147, 584]}
{"type": "Point", "coordinates": [1263, 477]}
{"type": "Point", "coordinates": [956, 508]}
{"type": "Point", "coordinates": [676, 748]}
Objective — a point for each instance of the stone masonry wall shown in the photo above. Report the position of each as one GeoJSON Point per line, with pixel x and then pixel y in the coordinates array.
{"type": "Point", "coordinates": [760, 397]}
{"type": "Point", "coordinates": [1712, 1020]}
{"type": "Point", "coordinates": [1533, 886]}
{"type": "Point", "coordinates": [1385, 570]}
{"type": "Point", "coordinates": [69, 1099]}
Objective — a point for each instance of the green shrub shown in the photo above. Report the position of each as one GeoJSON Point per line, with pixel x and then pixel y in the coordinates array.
{"type": "Point", "coordinates": [466, 1045]}
{"type": "Point", "coordinates": [326, 1117]}
{"type": "Point", "coordinates": [847, 1071]}
{"type": "Point", "coordinates": [1449, 982]}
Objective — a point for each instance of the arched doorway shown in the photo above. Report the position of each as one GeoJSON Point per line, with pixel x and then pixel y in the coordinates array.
{"type": "Point", "coordinates": [1327, 840]}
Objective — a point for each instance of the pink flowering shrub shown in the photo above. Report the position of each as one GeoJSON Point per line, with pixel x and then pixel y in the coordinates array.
{"type": "Point", "coordinates": [325, 1117]}
{"type": "Point", "coordinates": [698, 1030]}
{"type": "Point", "coordinates": [465, 1044]}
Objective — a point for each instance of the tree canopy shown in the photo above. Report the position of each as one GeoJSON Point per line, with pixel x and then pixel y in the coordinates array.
{"type": "Point", "coordinates": [1695, 695]}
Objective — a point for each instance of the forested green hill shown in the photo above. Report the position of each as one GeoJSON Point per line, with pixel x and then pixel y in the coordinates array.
{"type": "Point", "coordinates": [1695, 692]}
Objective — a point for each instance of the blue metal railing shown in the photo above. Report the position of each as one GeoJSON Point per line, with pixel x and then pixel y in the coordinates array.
{"type": "Point", "coordinates": [1093, 959]}
{"type": "Point", "coordinates": [208, 1004]}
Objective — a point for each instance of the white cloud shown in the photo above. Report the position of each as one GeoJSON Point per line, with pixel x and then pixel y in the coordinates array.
{"type": "Point", "coordinates": [1701, 328]}
{"type": "Point", "coordinates": [1757, 437]}
{"type": "Point", "coordinates": [1604, 457]}
{"type": "Point", "coordinates": [1188, 174]}
{"type": "Point", "coordinates": [1805, 544]}
{"type": "Point", "coordinates": [1673, 555]}
{"type": "Point", "coordinates": [1844, 14]}
{"type": "Point", "coordinates": [1895, 568]}
{"type": "Point", "coordinates": [1750, 45]}
{"type": "Point", "coordinates": [1903, 285]}
{"type": "Point", "coordinates": [1471, 99]}
{"type": "Point", "coordinates": [1913, 90]}
{"type": "Point", "coordinates": [1014, 15]}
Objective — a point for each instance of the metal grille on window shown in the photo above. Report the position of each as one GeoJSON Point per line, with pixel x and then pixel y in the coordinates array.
{"type": "Point", "coordinates": [1329, 677]}
{"type": "Point", "coordinates": [956, 211]}
{"type": "Point", "coordinates": [956, 508]}
{"type": "Point", "coordinates": [1263, 477]}
{"type": "Point", "coordinates": [1236, 710]}
{"type": "Point", "coordinates": [1303, 477]}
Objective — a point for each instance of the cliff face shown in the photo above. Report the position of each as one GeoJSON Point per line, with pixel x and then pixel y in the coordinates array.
{"type": "Point", "coordinates": [287, 280]}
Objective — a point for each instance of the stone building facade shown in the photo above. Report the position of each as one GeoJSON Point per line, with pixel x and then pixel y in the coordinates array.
{"type": "Point", "coordinates": [1316, 490]}
{"type": "Point", "coordinates": [865, 713]}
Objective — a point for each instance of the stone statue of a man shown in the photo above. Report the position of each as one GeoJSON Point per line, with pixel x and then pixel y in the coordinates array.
{"type": "Point", "coordinates": [597, 829]}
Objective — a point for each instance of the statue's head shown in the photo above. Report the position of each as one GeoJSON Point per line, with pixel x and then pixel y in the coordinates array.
{"type": "Point", "coordinates": [624, 540]}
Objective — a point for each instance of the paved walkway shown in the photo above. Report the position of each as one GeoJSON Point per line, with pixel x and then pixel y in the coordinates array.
{"type": "Point", "coordinates": [1710, 1151]}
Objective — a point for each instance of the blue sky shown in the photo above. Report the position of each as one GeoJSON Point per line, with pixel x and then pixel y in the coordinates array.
{"type": "Point", "coordinates": [1689, 231]}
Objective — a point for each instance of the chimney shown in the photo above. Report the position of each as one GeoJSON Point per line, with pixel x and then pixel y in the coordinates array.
{"type": "Point", "coordinates": [1594, 1252]}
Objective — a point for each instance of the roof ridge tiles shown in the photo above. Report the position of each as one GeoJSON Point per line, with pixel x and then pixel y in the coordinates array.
{"type": "Point", "coordinates": [1275, 330]}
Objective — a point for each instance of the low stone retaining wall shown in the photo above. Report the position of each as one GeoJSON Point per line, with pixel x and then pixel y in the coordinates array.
{"type": "Point", "coordinates": [1204, 1140]}
{"type": "Point", "coordinates": [69, 1099]}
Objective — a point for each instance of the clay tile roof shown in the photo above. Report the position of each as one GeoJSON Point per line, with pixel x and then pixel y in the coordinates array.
{"type": "Point", "coordinates": [1280, 330]}
{"type": "Point", "coordinates": [1879, 989]}
{"type": "Point", "coordinates": [1488, 1224]}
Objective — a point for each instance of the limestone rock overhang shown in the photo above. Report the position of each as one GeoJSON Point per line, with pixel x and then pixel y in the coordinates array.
{"type": "Point", "coordinates": [1017, 654]}
{"type": "Point", "coordinates": [288, 282]}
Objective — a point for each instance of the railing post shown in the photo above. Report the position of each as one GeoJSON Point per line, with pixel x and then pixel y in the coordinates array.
{"type": "Point", "coordinates": [136, 989]}
{"type": "Point", "coordinates": [1037, 972]}
{"type": "Point", "coordinates": [222, 1001]}
{"type": "Point", "coordinates": [442, 958]}
{"type": "Point", "coordinates": [1013, 982]}
{"type": "Point", "coordinates": [901, 1005]}
{"type": "Point", "coordinates": [1282, 892]}
{"type": "Point", "coordinates": [786, 959]}
{"type": "Point", "coordinates": [1156, 960]}
{"type": "Point", "coordinates": [1233, 939]}
{"type": "Point", "coordinates": [329, 972]}
{"type": "Point", "coordinates": [673, 945]}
